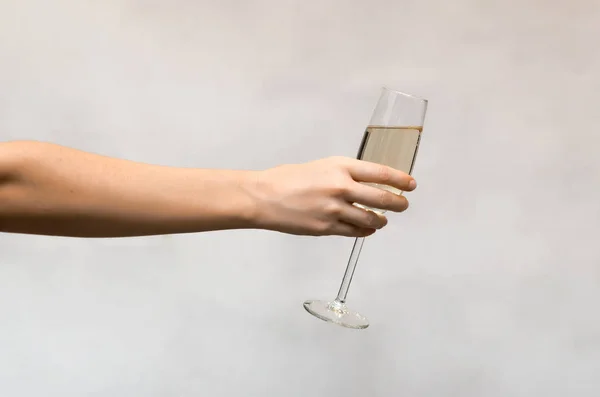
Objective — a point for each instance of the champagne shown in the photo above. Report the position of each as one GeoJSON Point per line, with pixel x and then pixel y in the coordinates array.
{"type": "Point", "coordinates": [383, 144]}
{"type": "Point", "coordinates": [392, 146]}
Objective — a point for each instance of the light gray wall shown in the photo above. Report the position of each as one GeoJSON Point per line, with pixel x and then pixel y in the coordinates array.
{"type": "Point", "coordinates": [488, 286]}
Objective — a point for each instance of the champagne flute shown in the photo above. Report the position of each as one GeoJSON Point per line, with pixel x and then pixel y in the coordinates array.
{"type": "Point", "coordinates": [391, 138]}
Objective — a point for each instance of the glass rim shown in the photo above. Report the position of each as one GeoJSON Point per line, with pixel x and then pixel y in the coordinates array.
{"type": "Point", "coordinates": [405, 94]}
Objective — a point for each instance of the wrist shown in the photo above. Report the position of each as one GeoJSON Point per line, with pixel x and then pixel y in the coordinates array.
{"type": "Point", "coordinates": [250, 206]}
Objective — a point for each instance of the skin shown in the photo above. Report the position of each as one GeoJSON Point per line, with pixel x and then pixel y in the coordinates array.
{"type": "Point", "coordinates": [49, 189]}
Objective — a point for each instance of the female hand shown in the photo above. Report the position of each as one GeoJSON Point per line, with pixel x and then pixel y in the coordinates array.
{"type": "Point", "coordinates": [316, 198]}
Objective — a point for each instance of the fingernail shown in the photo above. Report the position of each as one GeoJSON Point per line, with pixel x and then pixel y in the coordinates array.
{"type": "Point", "coordinates": [412, 184]}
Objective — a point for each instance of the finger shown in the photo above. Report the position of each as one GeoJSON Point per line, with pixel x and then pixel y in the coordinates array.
{"type": "Point", "coordinates": [374, 197]}
{"type": "Point", "coordinates": [362, 218]}
{"type": "Point", "coordinates": [365, 171]}
{"type": "Point", "coordinates": [348, 230]}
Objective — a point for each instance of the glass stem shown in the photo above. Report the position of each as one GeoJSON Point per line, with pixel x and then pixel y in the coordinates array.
{"type": "Point", "coordinates": [343, 292]}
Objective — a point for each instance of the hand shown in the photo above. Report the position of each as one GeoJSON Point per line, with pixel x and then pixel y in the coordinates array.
{"type": "Point", "coordinates": [316, 198]}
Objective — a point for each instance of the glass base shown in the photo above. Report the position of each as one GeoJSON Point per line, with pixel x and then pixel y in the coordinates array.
{"type": "Point", "coordinates": [337, 313]}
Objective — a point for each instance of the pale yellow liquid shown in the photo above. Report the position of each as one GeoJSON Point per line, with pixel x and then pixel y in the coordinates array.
{"type": "Point", "coordinates": [392, 146]}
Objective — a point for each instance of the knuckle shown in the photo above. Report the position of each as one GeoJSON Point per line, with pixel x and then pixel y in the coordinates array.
{"type": "Point", "coordinates": [385, 199]}
{"type": "Point", "coordinates": [334, 209]}
{"type": "Point", "coordinates": [384, 173]}
{"type": "Point", "coordinates": [322, 227]}
{"type": "Point", "coordinates": [371, 219]}
{"type": "Point", "coordinates": [339, 188]}
{"type": "Point", "coordinates": [338, 160]}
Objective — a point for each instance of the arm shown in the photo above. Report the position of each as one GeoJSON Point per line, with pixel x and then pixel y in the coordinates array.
{"type": "Point", "coordinates": [54, 190]}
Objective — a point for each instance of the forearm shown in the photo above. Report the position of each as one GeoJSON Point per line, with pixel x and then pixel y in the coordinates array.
{"type": "Point", "coordinates": [54, 190]}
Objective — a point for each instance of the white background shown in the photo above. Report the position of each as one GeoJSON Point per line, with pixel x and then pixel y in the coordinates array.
{"type": "Point", "coordinates": [488, 286]}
